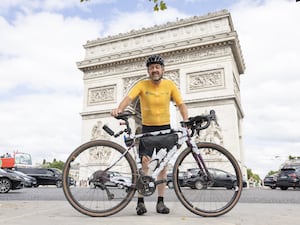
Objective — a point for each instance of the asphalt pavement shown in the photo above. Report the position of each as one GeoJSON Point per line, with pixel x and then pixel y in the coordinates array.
{"type": "Point", "coordinates": [62, 213]}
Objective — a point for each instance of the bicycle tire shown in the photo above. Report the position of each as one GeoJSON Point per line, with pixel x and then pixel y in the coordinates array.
{"type": "Point", "coordinates": [210, 199]}
{"type": "Point", "coordinates": [92, 194]}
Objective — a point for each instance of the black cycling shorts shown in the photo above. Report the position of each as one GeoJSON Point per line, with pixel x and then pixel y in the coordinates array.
{"type": "Point", "coordinates": [143, 150]}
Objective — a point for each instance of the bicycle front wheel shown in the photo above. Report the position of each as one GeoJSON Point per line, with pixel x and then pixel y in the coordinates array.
{"type": "Point", "coordinates": [204, 196]}
{"type": "Point", "coordinates": [99, 178]}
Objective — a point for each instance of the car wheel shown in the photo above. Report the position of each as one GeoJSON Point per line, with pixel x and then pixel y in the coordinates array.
{"type": "Point", "coordinates": [283, 188]}
{"type": "Point", "coordinates": [5, 185]}
{"type": "Point", "coordinates": [59, 183]}
{"type": "Point", "coordinates": [273, 187]}
{"type": "Point", "coordinates": [198, 185]}
{"type": "Point", "coordinates": [233, 186]}
{"type": "Point", "coordinates": [170, 185]}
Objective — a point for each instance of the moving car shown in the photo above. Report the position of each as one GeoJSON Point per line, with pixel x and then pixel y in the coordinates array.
{"type": "Point", "coordinates": [288, 177]}
{"type": "Point", "coordinates": [9, 181]}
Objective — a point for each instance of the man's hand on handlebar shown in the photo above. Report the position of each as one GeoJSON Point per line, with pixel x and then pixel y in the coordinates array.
{"type": "Point", "coordinates": [115, 112]}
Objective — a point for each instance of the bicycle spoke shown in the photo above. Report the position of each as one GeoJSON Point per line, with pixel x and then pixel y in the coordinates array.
{"type": "Point", "coordinates": [99, 190]}
{"type": "Point", "coordinates": [203, 195]}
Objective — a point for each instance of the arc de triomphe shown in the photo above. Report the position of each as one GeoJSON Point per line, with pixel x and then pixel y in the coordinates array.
{"type": "Point", "coordinates": [202, 55]}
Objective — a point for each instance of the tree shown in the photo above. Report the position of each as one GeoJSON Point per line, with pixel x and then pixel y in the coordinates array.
{"type": "Point", "coordinates": [158, 4]}
{"type": "Point", "coordinates": [253, 175]}
{"type": "Point", "coordinates": [271, 172]}
{"type": "Point", "coordinates": [54, 164]}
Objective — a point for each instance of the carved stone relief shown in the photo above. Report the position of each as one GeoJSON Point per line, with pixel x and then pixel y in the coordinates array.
{"type": "Point", "coordinates": [101, 95]}
{"type": "Point", "coordinates": [205, 80]}
{"type": "Point", "coordinates": [130, 81]}
{"type": "Point", "coordinates": [211, 134]}
{"type": "Point", "coordinates": [99, 154]}
{"type": "Point", "coordinates": [174, 76]}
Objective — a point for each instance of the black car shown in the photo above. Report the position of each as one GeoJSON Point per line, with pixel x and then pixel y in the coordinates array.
{"type": "Point", "coordinates": [182, 176]}
{"type": "Point", "coordinates": [45, 176]}
{"type": "Point", "coordinates": [9, 181]}
{"type": "Point", "coordinates": [271, 181]}
{"type": "Point", "coordinates": [221, 178]}
{"type": "Point", "coordinates": [27, 181]}
{"type": "Point", "coordinates": [288, 177]}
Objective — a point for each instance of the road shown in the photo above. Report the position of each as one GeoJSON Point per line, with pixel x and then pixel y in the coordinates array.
{"type": "Point", "coordinates": [47, 206]}
{"type": "Point", "coordinates": [252, 195]}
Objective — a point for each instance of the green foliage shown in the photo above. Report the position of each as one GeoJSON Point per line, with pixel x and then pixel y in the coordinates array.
{"type": "Point", "coordinates": [293, 157]}
{"type": "Point", "coordinates": [158, 5]}
{"type": "Point", "coordinates": [272, 172]}
{"type": "Point", "coordinates": [54, 164]}
{"type": "Point", "coordinates": [253, 175]}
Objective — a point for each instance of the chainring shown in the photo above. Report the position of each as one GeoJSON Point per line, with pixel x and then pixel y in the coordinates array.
{"type": "Point", "coordinates": [146, 185]}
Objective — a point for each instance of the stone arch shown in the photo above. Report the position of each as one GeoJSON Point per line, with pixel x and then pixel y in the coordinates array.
{"type": "Point", "coordinates": [202, 55]}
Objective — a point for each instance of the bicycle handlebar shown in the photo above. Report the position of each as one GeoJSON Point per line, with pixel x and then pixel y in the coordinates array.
{"type": "Point", "coordinates": [201, 122]}
{"type": "Point", "coordinates": [195, 123]}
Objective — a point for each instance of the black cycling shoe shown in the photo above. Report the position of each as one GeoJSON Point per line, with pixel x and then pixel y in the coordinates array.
{"type": "Point", "coordinates": [141, 209]}
{"type": "Point", "coordinates": [161, 208]}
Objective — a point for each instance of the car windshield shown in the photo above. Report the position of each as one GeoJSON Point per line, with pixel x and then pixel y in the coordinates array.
{"type": "Point", "coordinates": [287, 171]}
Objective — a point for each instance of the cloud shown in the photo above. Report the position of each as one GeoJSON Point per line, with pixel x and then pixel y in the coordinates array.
{"type": "Point", "coordinates": [127, 21]}
{"type": "Point", "coordinates": [41, 88]}
{"type": "Point", "coordinates": [270, 87]}
{"type": "Point", "coordinates": [39, 51]}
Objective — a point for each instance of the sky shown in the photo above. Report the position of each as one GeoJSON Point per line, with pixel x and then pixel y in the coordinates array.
{"type": "Point", "coordinates": [41, 89]}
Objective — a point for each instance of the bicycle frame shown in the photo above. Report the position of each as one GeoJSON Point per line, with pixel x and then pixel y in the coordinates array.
{"type": "Point", "coordinates": [194, 176]}
{"type": "Point", "coordinates": [183, 138]}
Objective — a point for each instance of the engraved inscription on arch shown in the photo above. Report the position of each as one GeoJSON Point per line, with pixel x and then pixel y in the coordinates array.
{"type": "Point", "coordinates": [101, 95]}
{"type": "Point", "coordinates": [211, 79]}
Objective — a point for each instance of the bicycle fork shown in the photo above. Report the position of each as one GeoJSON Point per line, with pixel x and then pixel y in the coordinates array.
{"type": "Point", "coordinates": [200, 162]}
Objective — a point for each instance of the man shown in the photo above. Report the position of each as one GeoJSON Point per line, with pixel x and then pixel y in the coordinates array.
{"type": "Point", "coordinates": [155, 95]}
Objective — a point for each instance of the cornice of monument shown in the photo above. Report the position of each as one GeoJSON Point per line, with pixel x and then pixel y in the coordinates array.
{"type": "Point", "coordinates": [167, 26]}
{"type": "Point", "coordinates": [104, 52]}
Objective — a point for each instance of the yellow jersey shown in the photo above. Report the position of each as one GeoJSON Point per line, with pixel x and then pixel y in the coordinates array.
{"type": "Point", "coordinates": [155, 100]}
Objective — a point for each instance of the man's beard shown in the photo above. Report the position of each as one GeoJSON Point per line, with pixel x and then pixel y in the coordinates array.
{"type": "Point", "coordinates": [156, 77]}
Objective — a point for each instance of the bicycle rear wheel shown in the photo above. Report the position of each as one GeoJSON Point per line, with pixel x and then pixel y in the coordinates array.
{"type": "Point", "coordinates": [200, 196]}
{"type": "Point", "coordinates": [97, 191]}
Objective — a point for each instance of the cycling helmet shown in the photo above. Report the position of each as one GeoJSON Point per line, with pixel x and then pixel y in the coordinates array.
{"type": "Point", "coordinates": [155, 59]}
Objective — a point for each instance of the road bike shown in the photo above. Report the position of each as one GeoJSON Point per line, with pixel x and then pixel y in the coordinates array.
{"type": "Point", "coordinates": [108, 174]}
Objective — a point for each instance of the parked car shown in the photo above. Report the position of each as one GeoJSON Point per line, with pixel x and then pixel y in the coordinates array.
{"type": "Point", "coordinates": [111, 179]}
{"type": "Point", "coordinates": [182, 176]}
{"type": "Point", "coordinates": [221, 178]}
{"type": "Point", "coordinates": [46, 176]}
{"type": "Point", "coordinates": [288, 177]}
{"type": "Point", "coordinates": [9, 181]}
{"type": "Point", "coordinates": [271, 181]}
{"type": "Point", "coordinates": [27, 181]}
